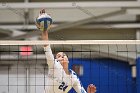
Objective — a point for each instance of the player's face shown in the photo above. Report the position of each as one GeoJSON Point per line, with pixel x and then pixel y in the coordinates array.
{"type": "Point", "coordinates": [62, 57]}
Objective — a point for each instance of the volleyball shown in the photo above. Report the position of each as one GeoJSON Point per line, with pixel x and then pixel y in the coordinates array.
{"type": "Point", "coordinates": [43, 21]}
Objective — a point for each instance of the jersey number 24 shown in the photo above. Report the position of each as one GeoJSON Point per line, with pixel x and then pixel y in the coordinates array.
{"type": "Point", "coordinates": [63, 86]}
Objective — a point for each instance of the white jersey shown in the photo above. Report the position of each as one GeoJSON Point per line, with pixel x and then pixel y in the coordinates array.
{"type": "Point", "coordinates": [58, 81]}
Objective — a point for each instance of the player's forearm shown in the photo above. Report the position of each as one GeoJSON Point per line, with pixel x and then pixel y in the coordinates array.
{"type": "Point", "coordinates": [49, 56]}
{"type": "Point", "coordinates": [45, 36]}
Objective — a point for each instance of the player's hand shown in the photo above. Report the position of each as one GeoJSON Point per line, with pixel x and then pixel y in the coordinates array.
{"type": "Point", "coordinates": [42, 11]}
{"type": "Point", "coordinates": [43, 21]}
{"type": "Point", "coordinates": [91, 88]}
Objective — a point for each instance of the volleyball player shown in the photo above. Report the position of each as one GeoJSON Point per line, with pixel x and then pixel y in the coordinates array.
{"type": "Point", "coordinates": [60, 78]}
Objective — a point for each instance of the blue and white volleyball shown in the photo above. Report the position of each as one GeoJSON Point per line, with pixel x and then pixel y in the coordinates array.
{"type": "Point", "coordinates": [44, 22]}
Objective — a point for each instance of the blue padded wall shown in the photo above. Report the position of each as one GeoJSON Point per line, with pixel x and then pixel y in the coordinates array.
{"type": "Point", "coordinates": [109, 75]}
{"type": "Point", "coordinates": [138, 75]}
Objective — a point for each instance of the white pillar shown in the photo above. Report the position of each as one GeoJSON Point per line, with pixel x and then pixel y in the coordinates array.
{"type": "Point", "coordinates": [138, 35]}
{"type": "Point", "coordinates": [138, 46]}
{"type": "Point", "coordinates": [27, 80]}
{"type": "Point", "coordinates": [26, 15]}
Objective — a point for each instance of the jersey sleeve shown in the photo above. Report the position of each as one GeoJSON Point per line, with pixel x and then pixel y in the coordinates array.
{"type": "Point", "coordinates": [78, 86]}
{"type": "Point", "coordinates": [49, 56]}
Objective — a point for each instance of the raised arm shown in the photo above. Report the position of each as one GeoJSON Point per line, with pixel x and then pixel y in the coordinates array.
{"type": "Point", "coordinates": [48, 51]}
{"type": "Point", "coordinates": [45, 37]}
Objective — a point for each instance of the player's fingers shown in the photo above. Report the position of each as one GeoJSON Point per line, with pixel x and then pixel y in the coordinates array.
{"type": "Point", "coordinates": [91, 85]}
{"type": "Point", "coordinates": [94, 87]}
{"type": "Point", "coordinates": [42, 10]}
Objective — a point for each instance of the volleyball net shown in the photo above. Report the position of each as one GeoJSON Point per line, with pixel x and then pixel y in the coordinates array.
{"type": "Point", "coordinates": [109, 64]}
{"type": "Point", "coordinates": [120, 49]}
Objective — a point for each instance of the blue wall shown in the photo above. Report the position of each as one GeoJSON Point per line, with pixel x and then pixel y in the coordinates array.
{"type": "Point", "coordinates": [138, 75]}
{"type": "Point", "coordinates": [109, 75]}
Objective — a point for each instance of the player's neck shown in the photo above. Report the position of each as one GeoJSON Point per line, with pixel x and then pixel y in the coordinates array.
{"type": "Point", "coordinates": [67, 71]}
{"type": "Point", "coordinates": [65, 67]}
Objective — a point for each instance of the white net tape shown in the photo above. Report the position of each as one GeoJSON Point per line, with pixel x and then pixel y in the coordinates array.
{"type": "Point", "coordinates": [70, 42]}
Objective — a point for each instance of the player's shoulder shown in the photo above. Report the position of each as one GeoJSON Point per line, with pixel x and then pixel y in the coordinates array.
{"type": "Point", "coordinates": [75, 76]}
{"type": "Point", "coordinates": [73, 73]}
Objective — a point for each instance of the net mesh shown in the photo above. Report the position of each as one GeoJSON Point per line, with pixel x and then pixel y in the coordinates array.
{"type": "Point", "coordinates": [107, 64]}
